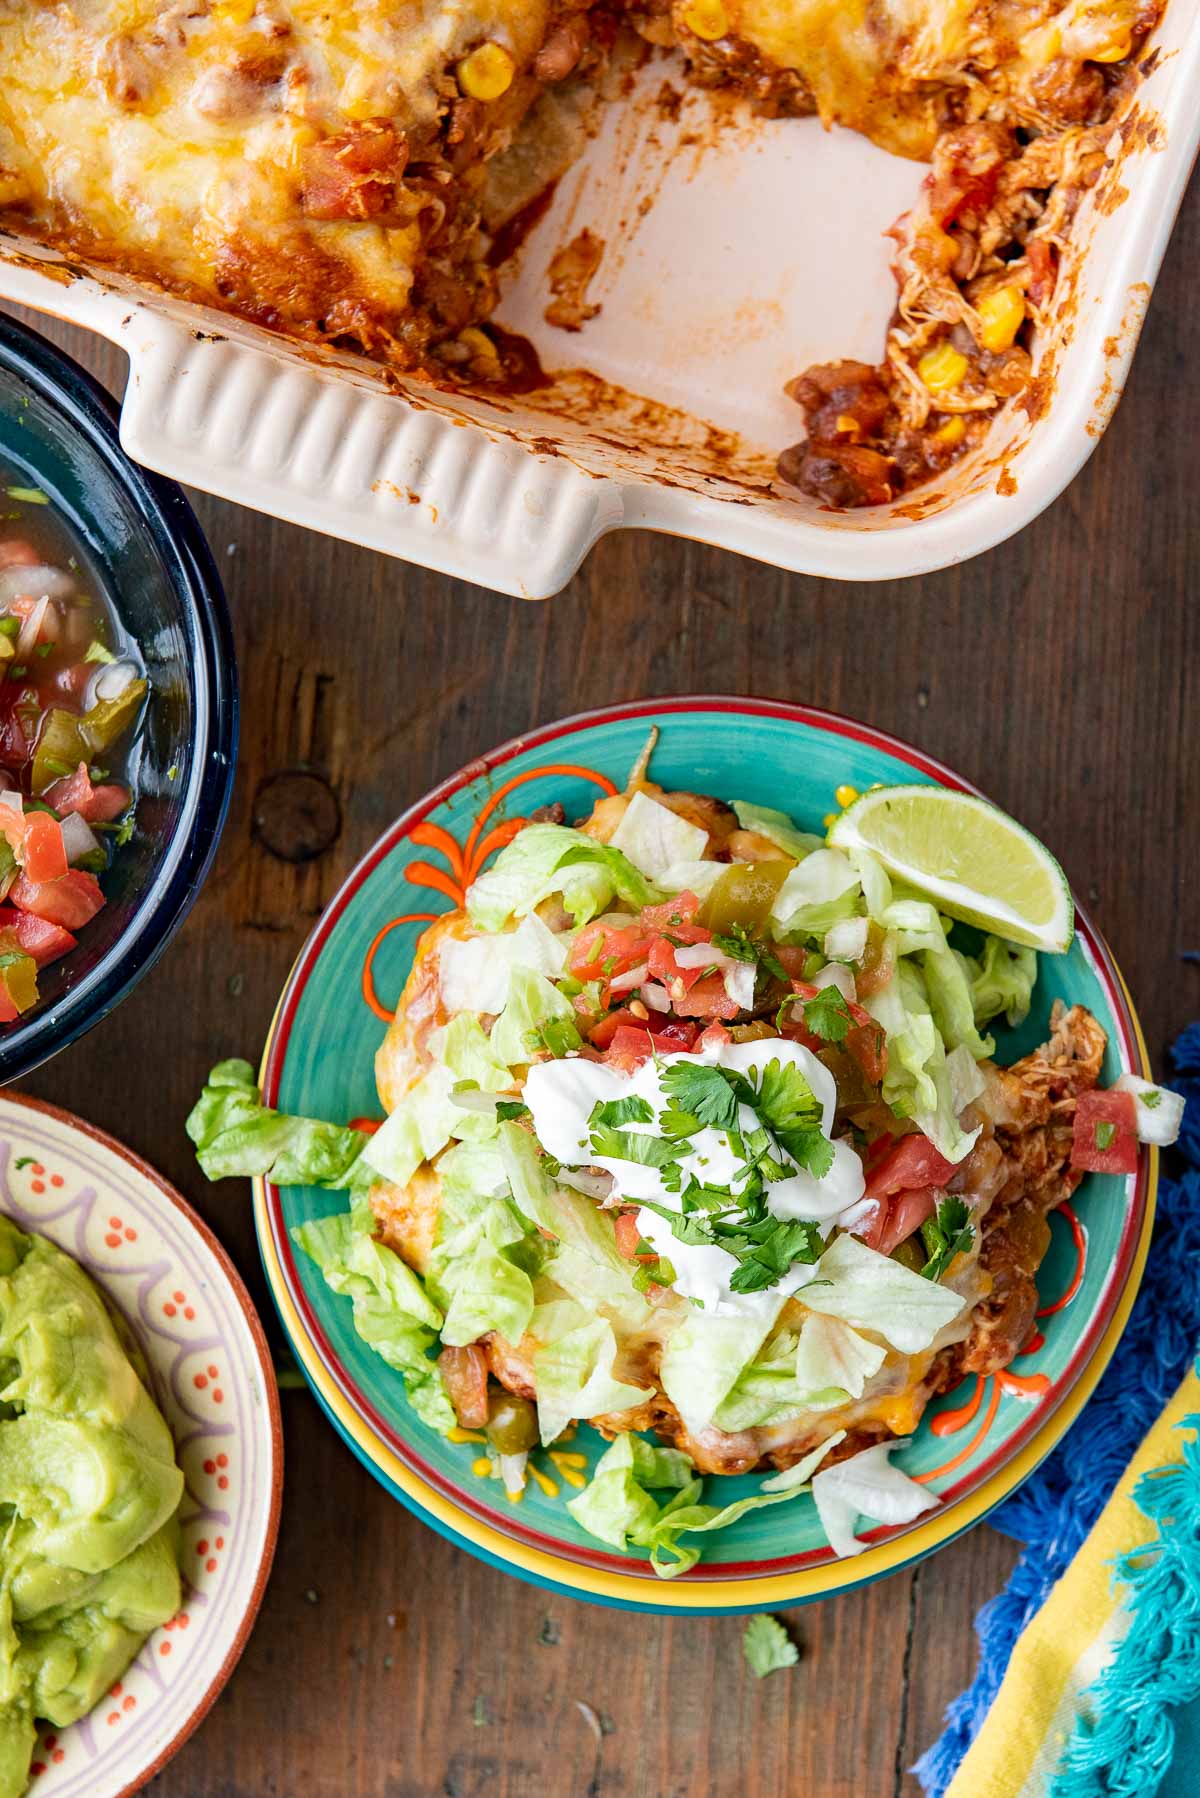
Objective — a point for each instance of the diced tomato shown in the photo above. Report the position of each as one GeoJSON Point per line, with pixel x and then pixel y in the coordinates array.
{"type": "Point", "coordinates": [898, 1217]}
{"type": "Point", "coordinates": [707, 999]}
{"type": "Point", "coordinates": [44, 941]}
{"type": "Point", "coordinates": [42, 854]}
{"type": "Point", "coordinates": [877, 965]}
{"type": "Point", "coordinates": [465, 1372]}
{"type": "Point", "coordinates": [867, 1044]}
{"type": "Point", "coordinates": [12, 828]}
{"type": "Point", "coordinates": [628, 1048]}
{"type": "Point", "coordinates": [16, 553]}
{"type": "Point", "coordinates": [714, 1036]}
{"type": "Point", "coordinates": [72, 900]}
{"type": "Point", "coordinates": [677, 917]}
{"type": "Point", "coordinates": [600, 952]}
{"type": "Point", "coordinates": [368, 1126]}
{"type": "Point", "coordinates": [625, 1224]}
{"type": "Point", "coordinates": [664, 967]}
{"type": "Point", "coordinates": [8, 1008]}
{"type": "Point", "coordinates": [911, 1165]}
{"type": "Point", "coordinates": [95, 805]}
{"type": "Point", "coordinates": [791, 958]}
{"type": "Point", "coordinates": [1111, 1117]}
{"type": "Point", "coordinates": [631, 1043]}
{"type": "Point", "coordinates": [1040, 257]}
{"type": "Point", "coordinates": [602, 1033]}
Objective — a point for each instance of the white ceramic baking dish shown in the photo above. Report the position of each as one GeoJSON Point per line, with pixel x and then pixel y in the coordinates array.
{"type": "Point", "coordinates": [737, 253]}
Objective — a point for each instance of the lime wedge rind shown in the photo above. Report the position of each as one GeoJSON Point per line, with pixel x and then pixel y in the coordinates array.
{"type": "Point", "coordinates": [1008, 882]}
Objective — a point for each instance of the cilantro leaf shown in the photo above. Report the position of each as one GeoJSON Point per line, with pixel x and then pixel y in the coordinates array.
{"type": "Point", "coordinates": [741, 946]}
{"type": "Point", "coordinates": [625, 1145]}
{"type": "Point", "coordinates": [788, 1105]}
{"type": "Point", "coordinates": [1151, 1098]}
{"type": "Point", "coordinates": [692, 1228]}
{"type": "Point", "coordinates": [947, 1234]}
{"type": "Point", "coordinates": [1105, 1134]}
{"type": "Point", "coordinates": [767, 1647]}
{"type": "Point", "coordinates": [827, 1015]}
{"type": "Point", "coordinates": [511, 1108]}
{"type": "Point", "coordinates": [704, 1093]}
{"type": "Point", "coordinates": [633, 1110]}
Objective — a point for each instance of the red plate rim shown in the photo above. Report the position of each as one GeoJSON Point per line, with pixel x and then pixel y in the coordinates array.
{"type": "Point", "coordinates": [506, 1522]}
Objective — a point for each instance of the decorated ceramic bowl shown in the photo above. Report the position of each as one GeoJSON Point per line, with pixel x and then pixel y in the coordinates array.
{"type": "Point", "coordinates": [973, 1447]}
{"type": "Point", "coordinates": [212, 1378]}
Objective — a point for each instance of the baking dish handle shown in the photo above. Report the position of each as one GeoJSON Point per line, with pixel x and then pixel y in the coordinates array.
{"type": "Point", "coordinates": [339, 456]}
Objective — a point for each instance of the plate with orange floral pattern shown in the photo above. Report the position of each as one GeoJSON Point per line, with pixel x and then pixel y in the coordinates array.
{"type": "Point", "coordinates": [973, 1446]}
{"type": "Point", "coordinates": [211, 1376]}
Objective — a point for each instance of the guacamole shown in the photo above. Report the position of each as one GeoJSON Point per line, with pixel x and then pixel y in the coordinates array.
{"type": "Point", "coordinates": [89, 1490]}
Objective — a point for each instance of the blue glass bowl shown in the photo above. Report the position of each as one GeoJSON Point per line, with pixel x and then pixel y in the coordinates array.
{"type": "Point", "coordinates": [58, 432]}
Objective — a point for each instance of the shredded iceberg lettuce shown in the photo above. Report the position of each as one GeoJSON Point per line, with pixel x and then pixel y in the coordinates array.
{"type": "Point", "coordinates": [866, 1485]}
{"type": "Point", "coordinates": [392, 1312]}
{"type": "Point", "coordinates": [573, 1368]}
{"type": "Point", "coordinates": [235, 1133]}
{"type": "Point", "coordinates": [1002, 980]}
{"type": "Point", "coordinates": [873, 1292]}
{"type": "Point", "coordinates": [778, 828]}
{"type": "Point", "coordinates": [654, 837]}
{"type": "Point", "coordinates": [547, 859]}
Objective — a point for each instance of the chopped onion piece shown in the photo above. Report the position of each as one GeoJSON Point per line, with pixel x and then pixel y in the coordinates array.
{"type": "Point", "coordinates": [705, 955]}
{"type": "Point", "coordinates": [35, 582]}
{"type": "Point", "coordinates": [625, 983]}
{"type": "Point", "coordinates": [739, 984]}
{"type": "Point", "coordinates": [847, 939]}
{"type": "Point", "coordinates": [655, 996]}
{"type": "Point", "coordinates": [835, 974]}
{"type": "Point", "coordinates": [78, 839]}
{"type": "Point", "coordinates": [12, 798]}
{"type": "Point", "coordinates": [512, 1471]}
{"type": "Point", "coordinates": [31, 629]}
{"type": "Point", "coordinates": [1159, 1110]}
{"type": "Point", "coordinates": [110, 681]}
{"type": "Point", "coordinates": [592, 1186]}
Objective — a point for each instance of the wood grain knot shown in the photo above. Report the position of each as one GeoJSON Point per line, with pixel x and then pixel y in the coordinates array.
{"type": "Point", "coordinates": [296, 815]}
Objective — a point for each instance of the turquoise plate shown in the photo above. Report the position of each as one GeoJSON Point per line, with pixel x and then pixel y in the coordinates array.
{"type": "Point", "coordinates": [972, 1447]}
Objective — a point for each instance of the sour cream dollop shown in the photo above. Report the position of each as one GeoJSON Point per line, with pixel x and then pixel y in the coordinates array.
{"type": "Point", "coordinates": [561, 1096]}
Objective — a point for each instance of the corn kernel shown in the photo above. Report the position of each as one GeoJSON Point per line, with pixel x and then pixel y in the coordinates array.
{"type": "Point", "coordinates": [706, 19]}
{"type": "Point", "coordinates": [234, 12]}
{"type": "Point", "coordinates": [942, 367]}
{"type": "Point", "coordinates": [1117, 51]}
{"type": "Point", "coordinates": [479, 344]}
{"type": "Point", "coordinates": [846, 796]}
{"type": "Point", "coordinates": [1001, 315]}
{"type": "Point", "coordinates": [848, 425]}
{"type": "Point", "coordinates": [486, 72]}
{"type": "Point", "coordinates": [950, 433]}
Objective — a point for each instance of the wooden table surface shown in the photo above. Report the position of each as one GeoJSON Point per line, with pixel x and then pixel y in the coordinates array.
{"type": "Point", "coordinates": [1056, 672]}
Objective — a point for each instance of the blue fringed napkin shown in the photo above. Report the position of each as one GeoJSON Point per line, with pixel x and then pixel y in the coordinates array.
{"type": "Point", "coordinates": [1089, 1671]}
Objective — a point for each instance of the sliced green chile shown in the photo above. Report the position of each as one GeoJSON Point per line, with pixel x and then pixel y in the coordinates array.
{"type": "Point", "coordinates": [744, 894]}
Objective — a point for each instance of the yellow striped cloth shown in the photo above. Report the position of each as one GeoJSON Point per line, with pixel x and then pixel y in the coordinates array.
{"type": "Point", "coordinates": [1069, 1642]}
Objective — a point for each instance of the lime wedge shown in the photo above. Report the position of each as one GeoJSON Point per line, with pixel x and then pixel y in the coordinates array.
{"type": "Point", "coordinates": [975, 861]}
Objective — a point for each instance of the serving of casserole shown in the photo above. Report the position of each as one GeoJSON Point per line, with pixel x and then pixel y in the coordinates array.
{"type": "Point", "coordinates": [496, 209]}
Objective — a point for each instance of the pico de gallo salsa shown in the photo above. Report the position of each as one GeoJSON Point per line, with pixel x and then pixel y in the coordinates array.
{"type": "Point", "coordinates": [72, 695]}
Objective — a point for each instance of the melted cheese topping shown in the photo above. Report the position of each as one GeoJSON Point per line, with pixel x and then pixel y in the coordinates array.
{"type": "Point", "coordinates": [892, 69]}
{"type": "Point", "coordinates": [170, 137]}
